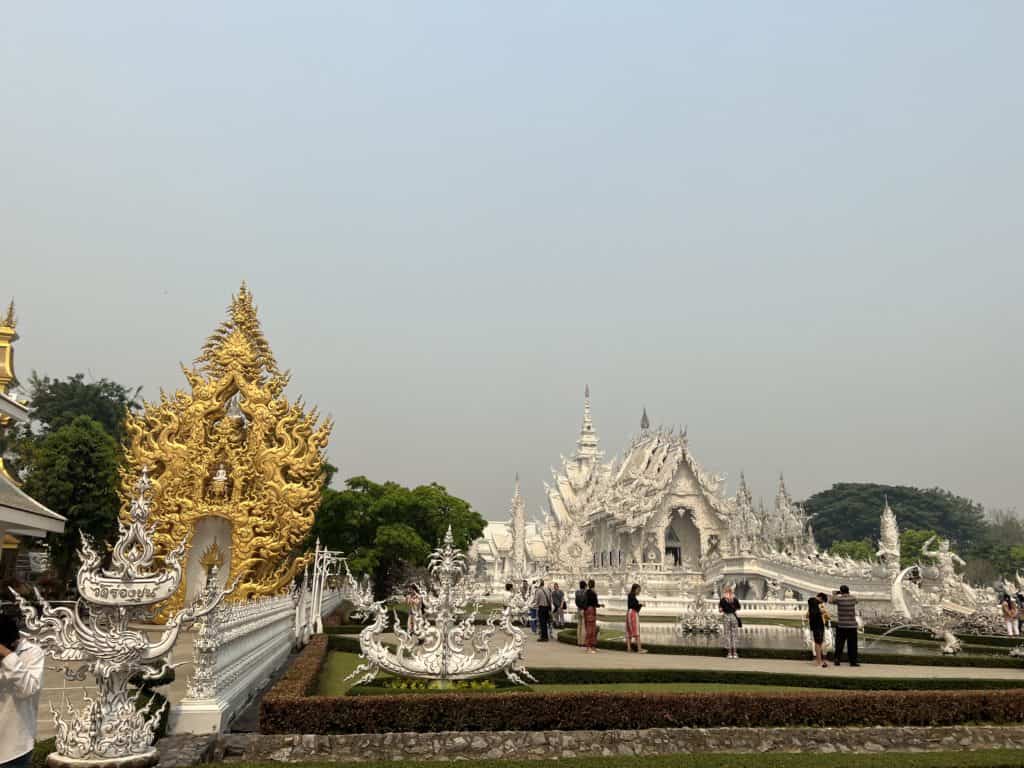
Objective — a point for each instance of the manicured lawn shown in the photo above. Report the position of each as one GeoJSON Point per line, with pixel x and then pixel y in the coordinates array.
{"type": "Point", "coordinates": [337, 667]}
{"type": "Point", "coordinates": [984, 759]}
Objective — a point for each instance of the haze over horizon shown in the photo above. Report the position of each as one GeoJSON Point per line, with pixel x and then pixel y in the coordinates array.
{"type": "Point", "coordinates": [796, 230]}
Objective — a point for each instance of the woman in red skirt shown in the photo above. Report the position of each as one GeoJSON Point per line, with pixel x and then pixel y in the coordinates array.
{"type": "Point", "coordinates": [633, 606]}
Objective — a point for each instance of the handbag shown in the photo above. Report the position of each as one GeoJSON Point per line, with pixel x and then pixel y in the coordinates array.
{"type": "Point", "coordinates": [739, 621]}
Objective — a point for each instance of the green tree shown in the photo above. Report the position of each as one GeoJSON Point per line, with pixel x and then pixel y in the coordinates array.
{"type": "Point", "coordinates": [56, 403]}
{"type": "Point", "coordinates": [851, 511]}
{"type": "Point", "coordinates": [73, 471]}
{"type": "Point", "coordinates": [911, 542]}
{"type": "Point", "coordinates": [861, 549]}
{"type": "Point", "coordinates": [385, 529]}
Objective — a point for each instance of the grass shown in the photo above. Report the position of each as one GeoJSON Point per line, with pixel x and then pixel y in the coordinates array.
{"type": "Point", "coordinates": [337, 667]}
{"type": "Point", "coordinates": [996, 758]}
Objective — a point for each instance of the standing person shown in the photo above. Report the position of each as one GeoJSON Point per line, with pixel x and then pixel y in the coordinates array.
{"type": "Point", "coordinates": [1009, 610]}
{"type": "Point", "coordinates": [846, 624]}
{"type": "Point", "coordinates": [21, 678]}
{"type": "Point", "coordinates": [816, 618]}
{"type": "Point", "coordinates": [542, 598]}
{"type": "Point", "coordinates": [581, 603]}
{"type": "Point", "coordinates": [590, 616]}
{"type": "Point", "coordinates": [557, 606]}
{"type": "Point", "coordinates": [414, 603]}
{"type": "Point", "coordinates": [633, 606]}
{"type": "Point", "coordinates": [1019, 599]}
{"type": "Point", "coordinates": [729, 607]}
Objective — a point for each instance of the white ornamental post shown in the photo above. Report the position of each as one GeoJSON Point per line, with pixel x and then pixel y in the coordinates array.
{"type": "Point", "coordinates": [444, 643]}
{"type": "Point", "coordinates": [94, 638]}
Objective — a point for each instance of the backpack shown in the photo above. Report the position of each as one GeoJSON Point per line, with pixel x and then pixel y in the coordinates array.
{"type": "Point", "coordinates": [581, 599]}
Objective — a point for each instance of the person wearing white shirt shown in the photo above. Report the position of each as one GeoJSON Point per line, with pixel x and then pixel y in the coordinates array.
{"type": "Point", "coordinates": [21, 678]}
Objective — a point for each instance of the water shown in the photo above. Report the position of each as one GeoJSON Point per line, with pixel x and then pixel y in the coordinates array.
{"type": "Point", "coordinates": [760, 636]}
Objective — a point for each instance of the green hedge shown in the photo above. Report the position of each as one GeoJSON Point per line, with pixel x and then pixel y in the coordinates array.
{"type": "Point", "coordinates": [1000, 641]}
{"type": "Point", "coordinates": [793, 654]}
{"type": "Point", "coordinates": [281, 713]}
{"type": "Point", "coordinates": [561, 676]}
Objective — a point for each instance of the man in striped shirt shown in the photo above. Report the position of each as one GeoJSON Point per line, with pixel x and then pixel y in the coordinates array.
{"type": "Point", "coordinates": [846, 624]}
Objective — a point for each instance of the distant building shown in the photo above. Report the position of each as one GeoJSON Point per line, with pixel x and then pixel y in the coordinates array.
{"type": "Point", "coordinates": [20, 515]}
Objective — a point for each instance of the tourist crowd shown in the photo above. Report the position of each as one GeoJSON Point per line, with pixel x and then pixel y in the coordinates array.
{"type": "Point", "coordinates": [547, 608]}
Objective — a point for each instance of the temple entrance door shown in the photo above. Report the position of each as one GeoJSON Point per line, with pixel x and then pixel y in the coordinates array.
{"type": "Point", "coordinates": [682, 539]}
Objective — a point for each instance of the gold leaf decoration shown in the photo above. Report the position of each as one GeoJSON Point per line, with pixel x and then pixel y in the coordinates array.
{"type": "Point", "coordinates": [233, 448]}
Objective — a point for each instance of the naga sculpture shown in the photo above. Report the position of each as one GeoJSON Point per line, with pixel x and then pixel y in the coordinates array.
{"type": "Point", "coordinates": [94, 637]}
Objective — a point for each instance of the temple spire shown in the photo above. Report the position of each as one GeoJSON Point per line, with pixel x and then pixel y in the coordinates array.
{"type": "Point", "coordinates": [586, 446]}
{"type": "Point", "coordinates": [645, 423]}
{"type": "Point", "coordinates": [518, 532]}
{"type": "Point", "coordinates": [8, 335]}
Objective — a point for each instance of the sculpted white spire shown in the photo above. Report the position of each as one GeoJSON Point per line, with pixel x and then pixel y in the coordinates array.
{"type": "Point", "coordinates": [518, 532]}
{"type": "Point", "coordinates": [586, 447]}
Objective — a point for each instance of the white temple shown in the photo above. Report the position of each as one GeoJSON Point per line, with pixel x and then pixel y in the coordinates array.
{"type": "Point", "coordinates": [657, 517]}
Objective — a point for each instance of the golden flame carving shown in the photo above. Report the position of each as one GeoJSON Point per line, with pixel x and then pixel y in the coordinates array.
{"type": "Point", "coordinates": [235, 416]}
{"type": "Point", "coordinates": [212, 556]}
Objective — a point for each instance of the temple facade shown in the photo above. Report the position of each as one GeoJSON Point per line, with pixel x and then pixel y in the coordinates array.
{"type": "Point", "coordinates": [657, 517]}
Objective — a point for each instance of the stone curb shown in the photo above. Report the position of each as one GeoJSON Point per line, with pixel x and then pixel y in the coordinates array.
{"type": "Point", "coordinates": [175, 752]}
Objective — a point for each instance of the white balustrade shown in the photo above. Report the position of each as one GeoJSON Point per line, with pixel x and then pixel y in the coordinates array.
{"type": "Point", "coordinates": [239, 648]}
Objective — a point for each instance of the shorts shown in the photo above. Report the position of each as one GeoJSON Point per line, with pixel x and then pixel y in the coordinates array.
{"type": "Point", "coordinates": [818, 633]}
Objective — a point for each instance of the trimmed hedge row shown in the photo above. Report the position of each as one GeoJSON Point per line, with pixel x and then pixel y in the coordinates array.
{"type": "Point", "coordinates": [628, 711]}
{"type": "Point", "coordinates": [303, 676]}
{"type": "Point", "coordinates": [560, 676]}
{"type": "Point", "coordinates": [794, 654]}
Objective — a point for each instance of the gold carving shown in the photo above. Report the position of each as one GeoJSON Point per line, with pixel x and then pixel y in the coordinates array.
{"type": "Point", "coordinates": [212, 556]}
{"type": "Point", "coordinates": [233, 448]}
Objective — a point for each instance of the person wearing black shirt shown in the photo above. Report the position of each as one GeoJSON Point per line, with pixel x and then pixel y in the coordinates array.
{"type": "Point", "coordinates": [591, 604]}
{"type": "Point", "coordinates": [816, 617]}
{"type": "Point", "coordinates": [633, 606]}
{"type": "Point", "coordinates": [728, 607]}
{"type": "Point", "coordinates": [581, 603]}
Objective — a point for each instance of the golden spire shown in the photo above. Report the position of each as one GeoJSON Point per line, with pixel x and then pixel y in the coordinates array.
{"type": "Point", "coordinates": [234, 448]}
{"type": "Point", "coordinates": [8, 335]}
{"type": "Point", "coordinates": [10, 319]}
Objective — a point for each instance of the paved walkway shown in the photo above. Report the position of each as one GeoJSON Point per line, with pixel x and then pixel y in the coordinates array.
{"type": "Point", "coordinates": [555, 654]}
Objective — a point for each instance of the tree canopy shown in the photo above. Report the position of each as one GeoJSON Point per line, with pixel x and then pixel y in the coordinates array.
{"type": "Point", "coordinates": [56, 403]}
{"type": "Point", "coordinates": [73, 471]}
{"type": "Point", "coordinates": [852, 510]}
{"type": "Point", "coordinates": [385, 528]}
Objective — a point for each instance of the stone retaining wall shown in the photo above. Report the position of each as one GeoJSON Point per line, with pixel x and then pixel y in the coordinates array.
{"type": "Point", "coordinates": [656, 741]}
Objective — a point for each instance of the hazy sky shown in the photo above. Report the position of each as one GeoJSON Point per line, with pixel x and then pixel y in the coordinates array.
{"type": "Point", "coordinates": [796, 228]}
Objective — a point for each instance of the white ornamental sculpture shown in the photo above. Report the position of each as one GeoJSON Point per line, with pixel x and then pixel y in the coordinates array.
{"type": "Point", "coordinates": [93, 637]}
{"type": "Point", "coordinates": [699, 619]}
{"type": "Point", "coordinates": [442, 641]}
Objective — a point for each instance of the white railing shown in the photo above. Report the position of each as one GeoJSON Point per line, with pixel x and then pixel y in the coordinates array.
{"type": "Point", "coordinates": [669, 606]}
{"type": "Point", "coordinates": [238, 649]}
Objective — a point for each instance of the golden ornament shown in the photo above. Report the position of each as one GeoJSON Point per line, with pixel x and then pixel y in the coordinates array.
{"type": "Point", "coordinates": [234, 450]}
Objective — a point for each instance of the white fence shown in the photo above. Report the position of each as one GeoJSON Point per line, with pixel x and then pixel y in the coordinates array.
{"type": "Point", "coordinates": [667, 606]}
{"type": "Point", "coordinates": [238, 648]}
